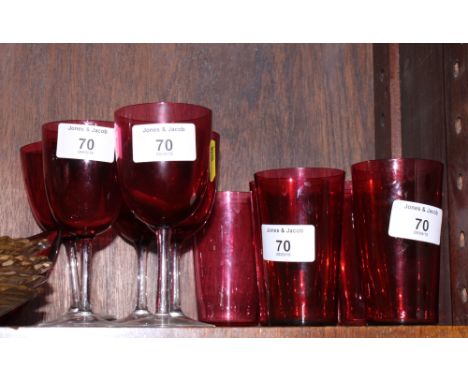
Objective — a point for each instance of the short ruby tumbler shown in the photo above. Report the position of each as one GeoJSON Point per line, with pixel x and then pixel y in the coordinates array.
{"type": "Point", "coordinates": [225, 275]}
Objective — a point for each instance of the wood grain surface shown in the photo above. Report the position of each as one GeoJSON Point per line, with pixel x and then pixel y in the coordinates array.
{"type": "Point", "coordinates": [274, 106]}
{"type": "Point", "coordinates": [387, 101]}
{"type": "Point", "coordinates": [382, 101]}
{"type": "Point", "coordinates": [424, 136]}
{"type": "Point", "coordinates": [440, 331]}
{"type": "Point", "coordinates": [456, 101]}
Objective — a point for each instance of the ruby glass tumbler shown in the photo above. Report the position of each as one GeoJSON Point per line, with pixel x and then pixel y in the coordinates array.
{"type": "Point", "coordinates": [225, 275]}
{"type": "Point", "coordinates": [300, 213]}
{"type": "Point", "coordinates": [398, 217]}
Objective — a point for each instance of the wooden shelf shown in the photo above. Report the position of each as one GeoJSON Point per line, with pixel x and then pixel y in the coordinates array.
{"type": "Point", "coordinates": [274, 105]}
{"type": "Point", "coordinates": [241, 332]}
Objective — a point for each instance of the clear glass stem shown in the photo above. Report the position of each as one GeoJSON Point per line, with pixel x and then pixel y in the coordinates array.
{"type": "Point", "coordinates": [73, 273]}
{"type": "Point", "coordinates": [175, 279]}
{"type": "Point", "coordinates": [56, 246]}
{"type": "Point", "coordinates": [142, 253]}
{"type": "Point", "coordinates": [86, 253]}
{"type": "Point", "coordinates": [163, 241]}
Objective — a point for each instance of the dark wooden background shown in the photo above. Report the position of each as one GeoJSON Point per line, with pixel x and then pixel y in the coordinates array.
{"type": "Point", "coordinates": [456, 101]}
{"type": "Point", "coordinates": [274, 106]}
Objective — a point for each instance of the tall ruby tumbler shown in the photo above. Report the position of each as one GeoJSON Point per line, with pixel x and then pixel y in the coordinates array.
{"type": "Point", "coordinates": [300, 214]}
{"type": "Point", "coordinates": [225, 276]}
{"type": "Point", "coordinates": [351, 310]}
{"type": "Point", "coordinates": [397, 211]}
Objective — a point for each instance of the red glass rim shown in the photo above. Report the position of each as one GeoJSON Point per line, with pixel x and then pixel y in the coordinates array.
{"type": "Point", "coordinates": [34, 147]}
{"type": "Point", "coordinates": [310, 173]}
{"type": "Point", "coordinates": [149, 112]}
{"type": "Point", "coordinates": [53, 125]}
{"type": "Point", "coordinates": [395, 163]}
{"type": "Point", "coordinates": [233, 195]}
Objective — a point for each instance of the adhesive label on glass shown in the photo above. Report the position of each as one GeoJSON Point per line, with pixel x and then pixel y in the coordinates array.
{"type": "Point", "coordinates": [164, 142]}
{"type": "Point", "coordinates": [88, 142]}
{"type": "Point", "coordinates": [212, 160]}
{"type": "Point", "coordinates": [289, 243]}
{"type": "Point", "coordinates": [415, 221]}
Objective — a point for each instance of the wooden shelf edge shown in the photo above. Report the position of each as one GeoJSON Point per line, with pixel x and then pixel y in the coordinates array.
{"type": "Point", "coordinates": [437, 331]}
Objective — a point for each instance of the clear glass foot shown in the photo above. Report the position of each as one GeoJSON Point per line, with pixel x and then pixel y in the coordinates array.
{"type": "Point", "coordinates": [81, 318]}
{"type": "Point", "coordinates": [182, 318]}
{"type": "Point", "coordinates": [132, 318]}
{"type": "Point", "coordinates": [165, 321]}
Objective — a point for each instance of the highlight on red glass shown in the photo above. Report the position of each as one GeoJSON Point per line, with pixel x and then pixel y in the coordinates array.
{"type": "Point", "coordinates": [398, 218]}
{"type": "Point", "coordinates": [225, 272]}
{"type": "Point", "coordinates": [257, 227]}
{"type": "Point", "coordinates": [300, 213]}
{"type": "Point", "coordinates": [351, 301]}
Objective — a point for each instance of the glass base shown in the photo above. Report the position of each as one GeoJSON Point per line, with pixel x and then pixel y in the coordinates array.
{"type": "Point", "coordinates": [79, 318]}
{"type": "Point", "coordinates": [134, 317]}
{"type": "Point", "coordinates": [180, 315]}
{"type": "Point", "coordinates": [165, 320]}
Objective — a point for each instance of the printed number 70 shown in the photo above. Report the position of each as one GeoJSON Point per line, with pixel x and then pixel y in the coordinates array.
{"type": "Point", "coordinates": [89, 143]}
{"type": "Point", "coordinates": [167, 144]}
{"type": "Point", "coordinates": [425, 224]}
{"type": "Point", "coordinates": [285, 244]}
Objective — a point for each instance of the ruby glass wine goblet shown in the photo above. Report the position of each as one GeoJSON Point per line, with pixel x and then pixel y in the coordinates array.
{"type": "Point", "coordinates": [82, 190]}
{"type": "Point", "coordinates": [140, 237]}
{"type": "Point", "coordinates": [189, 227]}
{"type": "Point", "coordinates": [162, 154]}
{"type": "Point", "coordinates": [33, 177]}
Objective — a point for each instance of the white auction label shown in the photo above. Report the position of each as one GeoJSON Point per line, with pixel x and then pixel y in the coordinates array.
{"type": "Point", "coordinates": [415, 221]}
{"type": "Point", "coordinates": [164, 142]}
{"type": "Point", "coordinates": [88, 142]}
{"type": "Point", "coordinates": [291, 243]}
